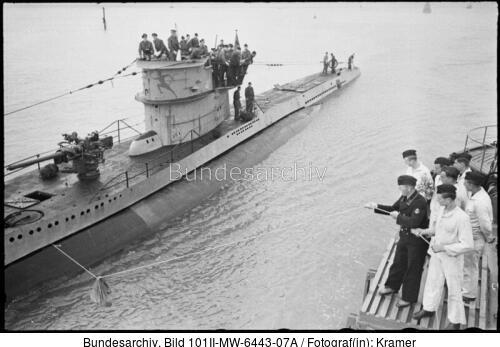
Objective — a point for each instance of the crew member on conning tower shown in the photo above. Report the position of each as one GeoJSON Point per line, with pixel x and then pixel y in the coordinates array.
{"type": "Point", "coordinates": [173, 44]}
{"type": "Point", "coordinates": [145, 48]}
{"type": "Point", "coordinates": [159, 46]}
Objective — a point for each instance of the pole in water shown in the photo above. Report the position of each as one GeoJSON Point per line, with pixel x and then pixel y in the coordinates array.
{"type": "Point", "coordinates": [104, 17]}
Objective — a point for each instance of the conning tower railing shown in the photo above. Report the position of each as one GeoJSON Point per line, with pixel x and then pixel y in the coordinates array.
{"type": "Point", "coordinates": [484, 138]}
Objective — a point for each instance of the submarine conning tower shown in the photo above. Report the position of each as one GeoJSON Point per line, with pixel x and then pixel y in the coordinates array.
{"type": "Point", "coordinates": [180, 103]}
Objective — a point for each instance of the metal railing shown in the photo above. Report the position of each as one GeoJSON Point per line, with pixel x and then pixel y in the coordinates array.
{"type": "Point", "coordinates": [150, 167]}
{"type": "Point", "coordinates": [486, 138]}
{"type": "Point", "coordinates": [121, 125]}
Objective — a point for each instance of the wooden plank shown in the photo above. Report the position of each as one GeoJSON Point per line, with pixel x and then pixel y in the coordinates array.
{"type": "Point", "coordinates": [376, 279]}
{"type": "Point", "coordinates": [368, 281]}
{"type": "Point", "coordinates": [472, 317]}
{"type": "Point", "coordinates": [377, 297]}
{"type": "Point", "coordinates": [384, 305]}
{"type": "Point", "coordinates": [381, 323]}
{"type": "Point", "coordinates": [438, 317]}
{"type": "Point", "coordinates": [405, 314]}
{"type": "Point", "coordinates": [484, 286]}
{"type": "Point", "coordinates": [418, 305]}
{"type": "Point", "coordinates": [393, 312]}
{"type": "Point", "coordinates": [444, 319]}
{"type": "Point", "coordinates": [352, 321]}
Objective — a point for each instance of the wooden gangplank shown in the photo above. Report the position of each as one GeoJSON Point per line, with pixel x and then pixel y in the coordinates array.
{"type": "Point", "coordinates": [381, 313]}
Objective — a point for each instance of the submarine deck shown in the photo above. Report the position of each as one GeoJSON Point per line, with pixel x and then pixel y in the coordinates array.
{"type": "Point", "coordinates": [66, 191]}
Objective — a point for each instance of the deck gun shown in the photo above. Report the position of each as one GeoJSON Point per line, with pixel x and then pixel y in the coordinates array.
{"type": "Point", "coordinates": [85, 155]}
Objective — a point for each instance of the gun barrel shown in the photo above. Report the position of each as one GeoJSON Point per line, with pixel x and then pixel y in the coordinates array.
{"type": "Point", "coordinates": [57, 155]}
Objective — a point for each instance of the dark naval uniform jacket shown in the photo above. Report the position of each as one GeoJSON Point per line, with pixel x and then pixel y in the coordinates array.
{"type": "Point", "coordinates": [406, 270]}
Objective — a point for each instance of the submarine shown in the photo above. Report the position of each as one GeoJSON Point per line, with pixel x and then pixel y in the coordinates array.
{"type": "Point", "coordinates": [98, 195]}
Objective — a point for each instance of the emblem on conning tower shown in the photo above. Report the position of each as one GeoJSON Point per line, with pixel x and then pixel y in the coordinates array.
{"type": "Point", "coordinates": [164, 82]}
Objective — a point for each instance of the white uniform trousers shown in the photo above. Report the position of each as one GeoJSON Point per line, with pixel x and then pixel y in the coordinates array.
{"type": "Point", "coordinates": [471, 268]}
{"type": "Point", "coordinates": [443, 267]}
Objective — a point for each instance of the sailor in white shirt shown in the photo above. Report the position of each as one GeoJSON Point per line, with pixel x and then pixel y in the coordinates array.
{"type": "Point", "coordinates": [449, 175]}
{"type": "Point", "coordinates": [462, 164]}
{"type": "Point", "coordinates": [452, 238]}
{"type": "Point", "coordinates": [425, 184]}
{"type": "Point", "coordinates": [439, 164]}
{"type": "Point", "coordinates": [480, 211]}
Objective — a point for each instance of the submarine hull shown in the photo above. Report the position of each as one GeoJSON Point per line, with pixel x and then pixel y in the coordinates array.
{"type": "Point", "coordinates": [110, 216]}
{"type": "Point", "coordinates": [146, 217]}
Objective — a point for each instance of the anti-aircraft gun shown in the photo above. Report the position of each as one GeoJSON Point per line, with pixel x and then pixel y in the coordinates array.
{"type": "Point", "coordinates": [85, 155]}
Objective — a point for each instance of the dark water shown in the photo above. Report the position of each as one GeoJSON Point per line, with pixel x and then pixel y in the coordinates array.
{"type": "Point", "coordinates": [426, 80]}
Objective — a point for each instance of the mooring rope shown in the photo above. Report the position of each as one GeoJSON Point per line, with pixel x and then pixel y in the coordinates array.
{"type": "Point", "coordinates": [74, 261]}
{"type": "Point", "coordinates": [116, 75]}
{"type": "Point", "coordinates": [101, 290]}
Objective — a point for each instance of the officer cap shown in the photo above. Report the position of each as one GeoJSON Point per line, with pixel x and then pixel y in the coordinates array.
{"type": "Point", "coordinates": [144, 35]}
{"type": "Point", "coordinates": [409, 153]}
{"type": "Point", "coordinates": [173, 30]}
{"type": "Point", "coordinates": [446, 188]}
{"type": "Point", "coordinates": [475, 177]}
{"type": "Point", "coordinates": [451, 171]}
{"type": "Point", "coordinates": [407, 180]}
{"type": "Point", "coordinates": [443, 161]}
{"type": "Point", "coordinates": [154, 34]}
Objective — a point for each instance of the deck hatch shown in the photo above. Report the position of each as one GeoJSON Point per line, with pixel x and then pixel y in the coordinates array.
{"type": "Point", "coordinates": [39, 195]}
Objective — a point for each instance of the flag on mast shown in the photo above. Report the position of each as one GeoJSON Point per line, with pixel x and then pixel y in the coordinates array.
{"type": "Point", "coordinates": [237, 41]}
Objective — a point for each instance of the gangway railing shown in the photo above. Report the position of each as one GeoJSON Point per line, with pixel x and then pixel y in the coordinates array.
{"type": "Point", "coordinates": [486, 138]}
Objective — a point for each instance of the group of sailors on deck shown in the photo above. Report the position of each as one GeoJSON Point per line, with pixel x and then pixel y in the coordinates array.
{"type": "Point", "coordinates": [229, 62]}
{"type": "Point", "coordinates": [189, 48]}
{"type": "Point", "coordinates": [332, 63]}
{"type": "Point", "coordinates": [448, 215]}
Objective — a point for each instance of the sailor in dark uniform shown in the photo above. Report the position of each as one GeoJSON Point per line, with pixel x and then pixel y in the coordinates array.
{"type": "Point", "coordinates": [249, 97]}
{"type": "Point", "coordinates": [237, 103]}
{"type": "Point", "coordinates": [410, 212]}
{"type": "Point", "coordinates": [173, 44]}
{"type": "Point", "coordinates": [159, 46]}
{"type": "Point", "coordinates": [350, 62]}
{"type": "Point", "coordinates": [145, 48]}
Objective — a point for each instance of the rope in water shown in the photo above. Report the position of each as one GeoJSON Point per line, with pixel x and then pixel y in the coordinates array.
{"type": "Point", "coordinates": [116, 75]}
{"type": "Point", "coordinates": [100, 289]}
{"type": "Point", "coordinates": [74, 261]}
{"type": "Point", "coordinates": [177, 257]}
